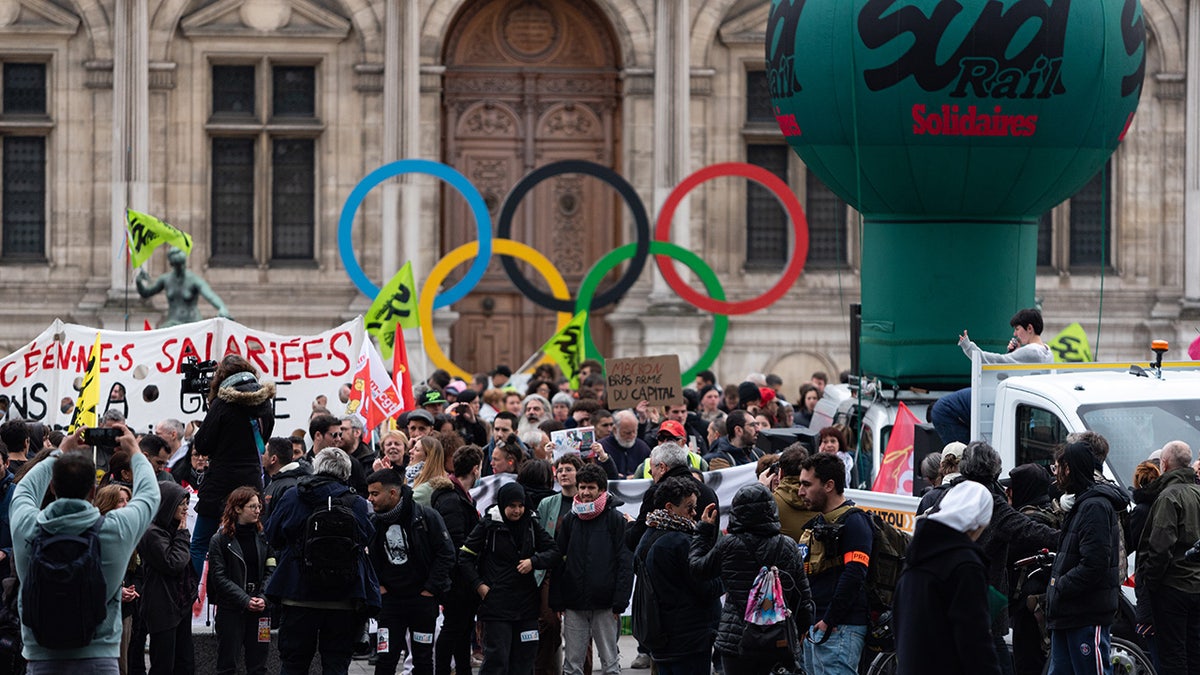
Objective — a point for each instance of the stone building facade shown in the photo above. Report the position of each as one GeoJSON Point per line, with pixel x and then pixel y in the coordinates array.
{"type": "Point", "coordinates": [248, 122]}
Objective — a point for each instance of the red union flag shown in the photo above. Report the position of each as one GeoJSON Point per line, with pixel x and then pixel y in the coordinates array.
{"type": "Point", "coordinates": [400, 373]}
{"type": "Point", "coordinates": [896, 471]}
{"type": "Point", "coordinates": [373, 397]}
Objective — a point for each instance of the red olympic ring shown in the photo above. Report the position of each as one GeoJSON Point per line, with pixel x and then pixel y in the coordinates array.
{"type": "Point", "coordinates": [662, 232]}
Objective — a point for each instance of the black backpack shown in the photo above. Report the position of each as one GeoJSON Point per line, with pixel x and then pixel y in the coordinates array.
{"type": "Point", "coordinates": [63, 597]}
{"type": "Point", "coordinates": [648, 625]}
{"type": "Point", "coordinates": [331, 545]}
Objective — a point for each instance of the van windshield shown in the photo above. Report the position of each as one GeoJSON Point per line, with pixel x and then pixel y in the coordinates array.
{"type": "Point", "coordinates": [1134, 430]}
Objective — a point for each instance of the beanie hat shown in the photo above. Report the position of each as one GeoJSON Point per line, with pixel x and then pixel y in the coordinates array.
{"type": "Point", "coordinates": [509, 493]}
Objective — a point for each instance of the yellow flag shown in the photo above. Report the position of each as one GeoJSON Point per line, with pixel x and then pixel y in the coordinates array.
{"type": "Point", "coordinates": [1071, 345]}
{"type": "Point", "coordinates": [89, 395]}
{"type": "Point", "coordinates": [395, 304]}
{"type": "Point", "coordinates": [566, 347]}
{"type": "Point", "coordinates": [147, 233]}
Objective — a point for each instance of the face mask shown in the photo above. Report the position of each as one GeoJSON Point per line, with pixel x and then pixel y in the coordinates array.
{"type": "Point", "coordinates": [583, 509]}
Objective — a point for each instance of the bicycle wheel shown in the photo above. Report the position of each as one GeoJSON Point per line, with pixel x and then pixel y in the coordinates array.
{"type": "Point", "coordinates": [1129, 659]}
{"type": "Point", "coordinates": [884, 664]}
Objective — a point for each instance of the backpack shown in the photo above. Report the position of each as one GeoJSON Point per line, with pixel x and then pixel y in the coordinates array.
{"type": "Point", "coordinates": [889, 547]}
{"type": "Point", "coordinates": [330, 543]}
{"type": "Point", "coordinates": [63, 598]}
{"type": "Point", "coordinates": [647, 618]}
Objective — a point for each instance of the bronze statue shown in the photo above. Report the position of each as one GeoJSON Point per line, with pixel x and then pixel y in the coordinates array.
{"type": "Point", "coordinates": [183, 288]}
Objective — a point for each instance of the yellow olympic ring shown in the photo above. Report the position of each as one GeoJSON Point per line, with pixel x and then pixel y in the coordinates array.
{"type": "Point", "coordinates": [558, 287]}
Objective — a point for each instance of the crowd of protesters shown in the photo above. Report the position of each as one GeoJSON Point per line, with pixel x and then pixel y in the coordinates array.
{"type": "Point", "coordinates": [347, 549]}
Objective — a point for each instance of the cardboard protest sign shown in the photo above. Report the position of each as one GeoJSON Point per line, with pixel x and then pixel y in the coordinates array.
{"type": "Point", "coordinates": [645, 378]}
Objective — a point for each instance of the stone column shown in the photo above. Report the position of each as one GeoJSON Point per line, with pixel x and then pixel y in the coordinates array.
{"type": "Point", "coordinates": [131, 132]}
{"type": "Point", "coordinates": [671, 326]}
{"type": "Point", "coordinates": [1191, 171]}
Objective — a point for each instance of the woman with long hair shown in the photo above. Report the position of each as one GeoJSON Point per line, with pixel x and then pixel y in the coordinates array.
{"type": "Point", "coordinates": [806, 405]}
{"type": "Point", "coordinates": [233, 437]}
{"type": "Point", "coordinates": [237, 573]}
{"type": "Point", "coordinates": [109, 498]}
{"type": "Point", "coordinates": [433, 466]}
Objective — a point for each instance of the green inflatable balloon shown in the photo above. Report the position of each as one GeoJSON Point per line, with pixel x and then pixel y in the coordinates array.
{"type": "Point", "coordinates": [951, 127]}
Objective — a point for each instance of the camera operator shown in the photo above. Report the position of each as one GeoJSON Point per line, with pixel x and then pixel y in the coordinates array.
{"type": "Point", "coordinates": [240, 418]}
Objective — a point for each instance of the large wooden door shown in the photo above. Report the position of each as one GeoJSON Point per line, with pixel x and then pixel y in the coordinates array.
{"type": "Point", "coordinates": [527, 83]}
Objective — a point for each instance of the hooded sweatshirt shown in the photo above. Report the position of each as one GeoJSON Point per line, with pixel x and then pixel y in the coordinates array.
{"type": "Point", "coordinates": [119, 535]}
{"type": "Point", "coordinates": [169, 588]}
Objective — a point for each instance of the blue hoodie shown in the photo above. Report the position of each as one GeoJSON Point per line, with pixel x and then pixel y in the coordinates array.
{"type": "Point", "coordinates": [120, 534]}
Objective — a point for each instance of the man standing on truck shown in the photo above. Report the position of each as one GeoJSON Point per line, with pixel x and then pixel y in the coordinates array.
{"type": "Point", "coordinates": [836, 549]}
{"type": "Point", "coordinates": [951, 415]}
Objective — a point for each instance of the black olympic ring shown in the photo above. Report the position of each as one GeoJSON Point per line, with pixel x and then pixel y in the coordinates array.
{"type": "Point", "coordinates": [641, 223]}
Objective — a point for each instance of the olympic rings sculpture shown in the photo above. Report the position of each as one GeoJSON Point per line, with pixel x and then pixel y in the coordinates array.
{"type": "Point", "coordinates": [559, 298]}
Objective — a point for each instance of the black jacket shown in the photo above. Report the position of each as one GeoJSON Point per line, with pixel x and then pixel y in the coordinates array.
{"type": "Point", "coordinates": [723, 449]}
{"type": "Point", "coordinates": [1010, 527]}
{"type": "Point", "coordinates": [597, 567]}
{"type": "Point", "coordinates": [941, 610]}
{"type": "Point", "coordinates": [689, 608]}
{"type": "Point", "coordinates": [1143, 501]}
{"type": "Point", "coordinates": [227, 571]}
{"type": "Point", "coordinates": [1085, 581]}
{"type": "Point", "coordinates": [490, 556]}
{"type": "Point", "coordinates": [227, 437]}
{"type": "Point", "coordinates": [169, 587]}
{"type": "Point", "coordinates": [637, 528]}
{"type": "Point", "coordinates": [753, 541]}
{"type": "Point", "coordinates": [456, 508]}
{"type": "Point", "coordinates": [424, 548]}
{"type": "Point", "coordinates": [281, 482]}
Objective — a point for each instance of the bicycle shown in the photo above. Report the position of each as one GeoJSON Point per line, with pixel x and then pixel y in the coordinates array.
{"type": "Point", "coordinates": [1126, 656]}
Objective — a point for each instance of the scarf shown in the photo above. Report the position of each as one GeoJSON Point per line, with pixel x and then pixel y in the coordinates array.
{"type": "Point", "coordinates": [663, 519]}
{"type": "Point", "coordinates": [590, 510]}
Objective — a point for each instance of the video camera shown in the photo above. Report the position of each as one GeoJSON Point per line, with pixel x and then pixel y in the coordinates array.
{"type": "Point", "coordinates": [1193, 553]}
{"type": "Point", "coordinates": [197, 375]}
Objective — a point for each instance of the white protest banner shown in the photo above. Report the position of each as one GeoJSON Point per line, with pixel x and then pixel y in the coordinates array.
{"type": "Point", "coordinates": [644, 378]}
{"type": "Point", "coordinates": [139, 371]}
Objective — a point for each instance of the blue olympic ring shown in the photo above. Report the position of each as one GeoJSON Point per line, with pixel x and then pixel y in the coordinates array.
{"type": "Point", "coordinates": [483, 225]}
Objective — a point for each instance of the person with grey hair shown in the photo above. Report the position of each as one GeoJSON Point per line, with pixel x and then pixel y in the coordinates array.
{"type": "Point", "coordinates": [351, 441]}
{"type": "Point", "coordinates": [535, 409]}
{"type": "Point", "coordinates": [1008, 528]}
{"type": "Point", "coordinates": [1168, 581]}
{"type": "Point", "coordinates": [560, 406]}
{"type": "Point", "coordinates": [623, 444]}
{"type": "Point", "coordinates": [322, 607]}
{"type": "Point", "coordinates": [171, 431]}
{"type": "Point", "coordinates": [668, 460]}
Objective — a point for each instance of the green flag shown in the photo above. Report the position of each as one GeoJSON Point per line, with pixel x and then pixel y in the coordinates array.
{"type": "Point", "coordinates": [566, 347]}
{"type": "Point", "coordinates": [147, 233]}
{"type": "Point", "coordinates": [1071, 345]}
{"type": "Point", "coordinates": [395, 305]}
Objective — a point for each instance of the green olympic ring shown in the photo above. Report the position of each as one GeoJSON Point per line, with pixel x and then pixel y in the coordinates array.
{"type": "Point", "coordinates": [587, 289]}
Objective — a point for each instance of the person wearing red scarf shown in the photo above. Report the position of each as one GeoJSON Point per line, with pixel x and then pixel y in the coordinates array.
{"type": "Point", "coordinates": [593, 585]}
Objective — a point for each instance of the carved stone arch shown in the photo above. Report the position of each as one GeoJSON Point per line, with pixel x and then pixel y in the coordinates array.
{"type": "Point", "coordinates": [795, 367]}
{"type": "Point", "coordinates": [630, 25]}
{"type": "Point", "coordinates": [489, 119]}
{"type": "Point", "coordinates": [709, 17]}
{"type": "Point", "coordinates": [1169, 32]}
{"type": "Point", "coordinates": [95, 22]}
{"type": "Point", "coordinates": [164, 24]}
{"type": "Point", "coordinates": [570, 121]}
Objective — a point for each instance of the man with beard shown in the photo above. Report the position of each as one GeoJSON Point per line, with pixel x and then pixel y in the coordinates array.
{"type": "Point", "coordinates": [627, 450]}
{"type": "Point", "coordinates": [836, 567]}
{"type": "Point", "coordinates": [737, 446]}
{"type": "Point", "coordinates": [535, 409]}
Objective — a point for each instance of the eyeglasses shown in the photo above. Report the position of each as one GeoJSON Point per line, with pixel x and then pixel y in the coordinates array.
{"type": "Point", "coordinates": [335, 434]}
{"type": "Point", "coordinates": [253, 507]}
